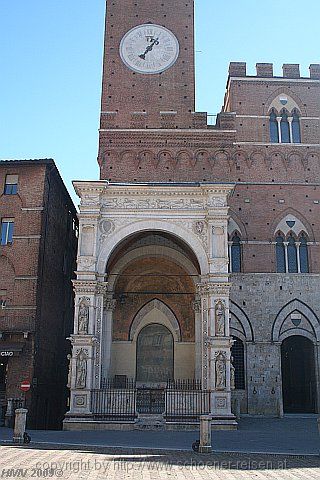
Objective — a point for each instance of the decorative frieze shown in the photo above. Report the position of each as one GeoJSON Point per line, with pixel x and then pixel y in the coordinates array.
{"type": "Point", "coordinates": [214, 289]}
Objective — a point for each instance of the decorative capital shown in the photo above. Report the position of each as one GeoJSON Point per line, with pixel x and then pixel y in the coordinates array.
{"type": "Point", "coordinates": [101, 288]}
{"type": "Point", "coordinates": [196, 305]}
{"type": "Point", "coordinates": [110, 304]}
{"type": "Point", "coordinates": [84, 287]}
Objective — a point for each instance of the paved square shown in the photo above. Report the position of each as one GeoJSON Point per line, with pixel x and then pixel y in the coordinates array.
{"type": "Point", "coordinates": [34, 462]}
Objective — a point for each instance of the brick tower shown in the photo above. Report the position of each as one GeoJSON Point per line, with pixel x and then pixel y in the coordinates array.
{"type": "Point", "coordinates": [148, 83]}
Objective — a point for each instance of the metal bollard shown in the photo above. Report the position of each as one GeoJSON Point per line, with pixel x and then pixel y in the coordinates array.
{"type": "Point", "coordinates": [205, 434]}
{"type": "Point", "coordinates": [20, 425]}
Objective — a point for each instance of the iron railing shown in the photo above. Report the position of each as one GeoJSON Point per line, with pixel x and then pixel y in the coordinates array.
{"type": "Point", "coordinates": [186, 405]}
{"type": "Point", "coordinates": [125, 404]}
{"type": "Point", "coordinates": [114, 404]}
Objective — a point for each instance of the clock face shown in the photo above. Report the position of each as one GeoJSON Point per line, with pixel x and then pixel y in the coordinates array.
{"type": "Point", "coordinates": [149, 49]}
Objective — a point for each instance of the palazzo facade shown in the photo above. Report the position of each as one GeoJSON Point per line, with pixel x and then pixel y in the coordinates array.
{"type": "Point", "coordinates": [198, 260]}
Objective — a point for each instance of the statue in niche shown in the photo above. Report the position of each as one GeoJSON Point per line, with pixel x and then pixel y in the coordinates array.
{"type": "Point", "coordinates": [81, 370]}
{"type": "Point", "coordinates": [83, 317]}
{"type": "Point", "coordinates": [220, 318]}
{"type": "Point", "coordinates": [220, 370]}
{"type": "Point", "coordinates": [232, 375]}
{"type": "Point", "coordinates": [69, 357]}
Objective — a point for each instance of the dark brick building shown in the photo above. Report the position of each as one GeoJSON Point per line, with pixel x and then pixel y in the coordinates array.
{"type": "Point", "coordinates": [37, 261]}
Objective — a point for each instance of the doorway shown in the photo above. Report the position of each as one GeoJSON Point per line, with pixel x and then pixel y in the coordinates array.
{"type": "Point", "coordinates": [298, 375]}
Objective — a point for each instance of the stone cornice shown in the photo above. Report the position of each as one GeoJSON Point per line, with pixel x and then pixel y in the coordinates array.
{"type": "Point", "coordinates": [173, 190]}
{"type": "Point", "coordinates": [90, 188]}
{"type": "Point", "coordinates": [89, 287]}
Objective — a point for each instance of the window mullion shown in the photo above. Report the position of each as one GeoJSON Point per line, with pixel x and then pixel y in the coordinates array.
{"type": "Point", "coordinates": [286, 255]}
{"type": "Point", "coordinates": [279, 128]}
{"type": "Point", "coordinates": [298, 256]}
{"type": "Point", "coordinates": [290, 120]}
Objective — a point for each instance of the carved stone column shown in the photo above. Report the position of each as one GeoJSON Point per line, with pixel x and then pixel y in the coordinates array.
{"type": "Point", "coordinates": [216, 350]}
{"type": "Point", "coordinates": [110, 306]}
{"type": "Point", "coordinates": [85, 364]}
{"type": "Point", "coordinates": [198, 338]}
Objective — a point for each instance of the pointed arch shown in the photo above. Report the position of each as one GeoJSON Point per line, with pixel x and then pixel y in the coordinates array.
{"type": "Point", "coordinates": [243, 319]}
{"type": "Point", "coordinates": [236, 224]}
{"type": "Point", "coordinates": [155, 304]}
{"type": "Point", "coordinates": [294, 101]}
{"type": "Point", "coordinates": [302, 225]}
{"type": "Point", "coordinates": [286, 310]}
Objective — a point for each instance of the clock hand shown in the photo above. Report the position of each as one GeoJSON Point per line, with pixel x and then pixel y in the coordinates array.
{"type": "Point", "coordinates": [149, 48]}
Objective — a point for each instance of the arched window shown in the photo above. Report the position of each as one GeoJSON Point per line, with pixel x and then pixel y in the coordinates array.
{"type": "Point", "coordinates": [285, 129]}
{"type": "Point", "coordinates": [274, 131]}
{"type": "Point", "coordinates": [303, 254]}
{"type": "Point", "coordinates": [292, 255]}
{"type": "Point", "coordinates": [280, 253]}
{"type": "Point", "coordinates": [237, 353]}
{"type": "Point", "coordinates": [296, 131]}
{"type": "Point", "coordinates": [236, 254]}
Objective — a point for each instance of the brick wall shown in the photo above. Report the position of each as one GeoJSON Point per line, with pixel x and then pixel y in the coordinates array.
{"type": "Point", "coordinates": [38, 267]}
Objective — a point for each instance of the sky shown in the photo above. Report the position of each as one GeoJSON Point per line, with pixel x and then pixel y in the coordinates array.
{"type": "Point", "coordinates": [51, 64]}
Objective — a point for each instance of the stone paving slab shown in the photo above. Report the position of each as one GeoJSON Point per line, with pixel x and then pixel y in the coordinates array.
{"type": "Point", "coordinates": [292, 435]}
{"type": "Point", "coordinates": [30, 462]}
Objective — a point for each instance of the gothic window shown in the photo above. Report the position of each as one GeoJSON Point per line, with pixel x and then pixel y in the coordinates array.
{"type": "Point", "coordinates": [237, 353]}
{"type": "Point", "coordinates": [284, 120]}
{"type": "Point", "coordinates": [274, 132]}
{"type": "Point", "coordinates": [303, 254]}
{"type": "Point", "coordinates": [292, 255]}
{"type": "Point", "coordinates": [235, 254]}
{"type": "Point", "coordinates": [284, 128]}
{"type": "Point", "coordinates": [296, 132]}
{"type": "Point", "coordinates": [280, 253]}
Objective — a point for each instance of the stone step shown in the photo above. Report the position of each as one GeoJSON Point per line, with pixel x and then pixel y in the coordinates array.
{"type": "Point", "coordinates": [149, 422]}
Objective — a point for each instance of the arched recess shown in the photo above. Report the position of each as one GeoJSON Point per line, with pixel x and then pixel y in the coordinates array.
{"type": "Point", "coordinates": [138, 322]}
{"type": "Point", "coordinates": [247, 333]}
{"type": "Point", "coordinates": [283, 215]}
{"type": "Point", "coordinates": [146, 251]}
{"type": "Point", "coordinates": [293, 100]}
{"type": "Point", "coordinates": [236, 224]}
{"type": "Point", "coordinates": [305, 310]}
{"type": "Point", "coordinates": [185, 235]}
